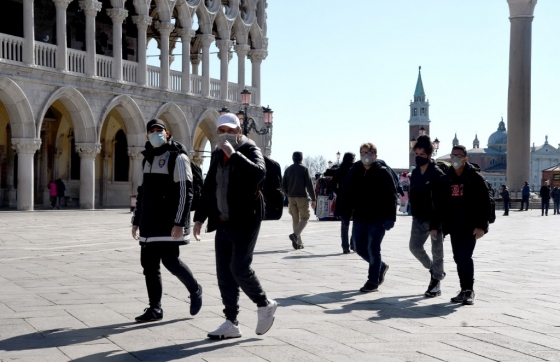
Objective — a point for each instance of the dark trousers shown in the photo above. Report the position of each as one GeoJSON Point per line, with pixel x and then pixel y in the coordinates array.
{"type": "Point", "coordinates": [344, 228]}
{"type": "Point", "coordinates": [367, 238]}
{"type": "Point", "coordinates": [462, 244]}
{"type": "Point", "coordinates": [150, 256]}
{"type": "Point", "coordinates": [234, 255]}
{"type": "Point", "coordinates": [524, 200]}
{"type": "Point", "coordinates": [506, 207]}
{"type": "Point", "coordinates": [556, 206]}
{"type": "Point", "coordinates": [53, 201]}
{"type": "Point", "coordinates": [545, 203]}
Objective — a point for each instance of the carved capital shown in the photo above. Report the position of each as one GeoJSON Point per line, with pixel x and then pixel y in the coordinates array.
{"type": "Point", "coordinates": [242, 49]}
{"type": "Point", "coordinates": [135, 153]}
{"type": "Point", "coordinates": [196, 58]}
{"type": "Point", "coordinates": [88, 150]}
{"type": "Point", "coordinates": [186, 34]}
{"type": "Point", "coordinates": [90, 7]}
{"type": "Point", "coordinates": [206, 39]}
{"type": "Point", "coordinates": [258, 55]}
{"type": "Point", "coordinates": [61, 4]}
{"type": "Point", "coordinates": [521, 8]}
{"type": "Point", "coordinates": [142, 21]}
{"type": "Point", "coordinates": [117, 15]}
{"type": "Point", "coordinates": [265, 43]}
{"type": "Point", "coordinates": [224, 45]}
{"type": "Point", "coordinates": [26, 145]}
{"type": "Point", "coordinates": [165, 28]}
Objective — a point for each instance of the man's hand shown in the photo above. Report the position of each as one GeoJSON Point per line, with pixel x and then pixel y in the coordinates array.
{"type": "Point", "coordinates": [478, 233]}
{"type": "Point", "coordinates": [313, 204]}
{"type": "Point", "coordinates": [196, 230]}
{"type": "Point", "coordinates": [177, 232]}
{"type": "Point", "coordinates": [433, 234]}
{"type": "Point", "coordinates": [135, 232]}
{"type": "Point", "coordinates": [225, 146]}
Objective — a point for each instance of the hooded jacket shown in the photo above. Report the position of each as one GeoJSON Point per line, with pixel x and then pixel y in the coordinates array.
{"type": "Point", "coordinates": [369, 195]}
{"type": "Point", "coordinates": [164, 196]}
{"type": "Point", "coordinates": [426, 197]}
{"type": "Point", "coordinates": [247, 170]}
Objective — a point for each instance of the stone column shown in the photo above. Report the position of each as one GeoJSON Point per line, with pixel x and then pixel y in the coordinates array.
{"type": "Point", "coordinates": [28, 33]}
{"type": "Point", "coordinates": [224, 56]}
{"type": "Point", "coordinates": [44, 171]}
{"type": "Point", "coordinates": [195, 61]}
{"type": "Point", "coordinates": [117, 16]}
{"type": "Point", "coordinates": [142, 22]}
{"type": "Point", "coordinates": [10, 193]}
{"type": "Point", "coordinates": [61, 51]}
{"type": "Point", "coordinates": [90, 8]}
{"type": "Point", "coordinates": [519, 93]}
{"type": "Point", "coordinates": [241, 50]}
{"type": "Point", "coordinates": [165, 30]}
{"type": "Point", "coordinates": [257, 56]}
{"type": "Point", "coordinates": [87, 152]}
{"type": "Point", "coordinates": [25, 148]}
{"type": "Point", "coordinates": [136, 160]}
{"type": "Point", "coordinates": [206, 40]}
{"type": "Point", "coordinates": [57, 154]}
{"type": "Point", "coordinates": [186, 36]}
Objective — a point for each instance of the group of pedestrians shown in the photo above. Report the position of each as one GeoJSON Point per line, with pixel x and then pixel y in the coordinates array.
{"type": "Point", "coordinates": [57, 191]}
{"type": "Point", "coordinates": [546, 192]}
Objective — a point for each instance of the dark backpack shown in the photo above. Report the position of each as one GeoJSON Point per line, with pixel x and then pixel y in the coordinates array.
{"type": "Point", "coordinates": [271, 189]}
{"type": "Point", "coordinates": [492, 204]}
{"type": "Point", "coordinates": [396, 178]}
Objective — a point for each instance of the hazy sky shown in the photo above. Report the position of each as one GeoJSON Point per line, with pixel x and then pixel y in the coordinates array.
{"type": "Point", "coordinates": [342, 73]}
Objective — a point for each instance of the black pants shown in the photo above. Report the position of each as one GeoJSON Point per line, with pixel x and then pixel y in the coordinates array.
{"type": "Point", "coordinates": [150, 256]}
{"type": "Point", "coordinates": [462, 244]}
{"type": "Point", "coordinates": [524, 200]}
{"type": "Point", "coordinates": [53, 201]}
{"type": "Point", "coordinates": [545, 203]}
{"type": "Point", "coordinates": [234, 255]}
{"type": "Point", "coordinates": [506, 207]}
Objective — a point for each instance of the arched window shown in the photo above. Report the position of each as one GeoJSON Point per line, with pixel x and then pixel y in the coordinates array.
{"type": "Point", "coordinates": [120, 157]}
{"type": "Point", "coordinates": [415, 112]}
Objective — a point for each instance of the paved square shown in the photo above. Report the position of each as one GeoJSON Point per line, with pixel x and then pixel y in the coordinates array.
{"type": "Point", "coordinates": [71, 284]}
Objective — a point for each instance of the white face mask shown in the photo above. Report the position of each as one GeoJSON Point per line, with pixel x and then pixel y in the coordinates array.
{"type": "Point", "coordinates": [157, 139]}
{"type": "Point", "coordinates": [367, 159]}
{"type": "Point", "coordinates": [231, 138]}
{"type": "Point", "coordinates": [457, 164]}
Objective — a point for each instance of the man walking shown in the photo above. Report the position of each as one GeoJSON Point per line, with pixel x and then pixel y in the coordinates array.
{"type": "Point", "coordinates": [234, 207]}
{"type": "Point", "coordinates": [298, 186]}
{"type": "Point", "coordinates": [369, 196]}
{"type": "Point", "coordinates": [162, 216]}
{"type": "Point", "coordinates": [525, 194]}
{"type": "Point", "coordinates": [555, 194]}
{"type": "Point", "coordinates": [426, 203]}
{"type": "Point", "coordinates": [338, 181]}
{"type": "Point", "coordinates": [545, 198]}
{"type": "Point", "coordinates": [505, 199]}
{"type": "Point", "coordinates": [465, 218]}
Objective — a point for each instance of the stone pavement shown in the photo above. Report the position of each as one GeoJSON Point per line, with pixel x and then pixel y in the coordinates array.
{"type": "Point", "coordinates": [71, 285]}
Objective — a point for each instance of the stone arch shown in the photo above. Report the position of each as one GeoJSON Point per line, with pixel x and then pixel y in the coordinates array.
{"type": "Point", "coordinates": [256, 36]}
{"type": "Point", "coordinates": [223, 26]}
{"type": "Point", "coordinates": [184, 11]}
{"type": "Point", "coordinates": [164, 10]}
{"type": "Point", "coordinates": [80, 112]}
{"type": "Point", "coordinates": [241, 31]}
{"type": "Point", "coordinates": [19, 110]}
{"type": "Point", "coordinates": [204, 20]}
{"type": "Point", "coordinates": [178, 122]}
{"type": "Point", "coordinates": [204, 131]}
{"type": "Point", "coordinates": [132, 117]}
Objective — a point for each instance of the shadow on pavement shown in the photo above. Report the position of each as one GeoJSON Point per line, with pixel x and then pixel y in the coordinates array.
{"type": "Point", "coordinates": [308, 256]}
{"type": "Point", "coordinates": [405, 306]}
{"type": "Point", "coordinates": [271, 252]}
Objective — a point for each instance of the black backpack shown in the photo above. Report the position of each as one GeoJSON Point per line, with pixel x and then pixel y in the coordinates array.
{"type": "Point", "coordinates": [492, 216]}
{"type": "Point", "coordinates": [396, 178]}
{"type": "Point", "coordinates": [271, 189]}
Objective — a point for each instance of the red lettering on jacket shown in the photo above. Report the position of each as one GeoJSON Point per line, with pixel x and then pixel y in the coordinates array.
{"type": "Point", "coordinates": [457, 190]}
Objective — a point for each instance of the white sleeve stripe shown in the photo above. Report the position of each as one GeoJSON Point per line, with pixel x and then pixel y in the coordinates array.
{"type": "Point", "coordinates": [180, 162]}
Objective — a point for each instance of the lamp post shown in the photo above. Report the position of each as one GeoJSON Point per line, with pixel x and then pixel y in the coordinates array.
{"type": "Point", "coordinates": [338, 158]}
{"type": "Point", "coordinates": [422, 132]}
{"type": "Point", "coordinates": [248, 124]}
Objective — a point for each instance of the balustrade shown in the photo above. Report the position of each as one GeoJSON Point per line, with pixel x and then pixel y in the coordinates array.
{"type": "Point", "coordinates": [104, 66]}
{"type": "Point", "coordinates": [45, 54]}
{"type": "Point", "coordinates": [215, 88]}
{"type": "Point", "coordinates": [175, 80]}
{"type": "Point", "coordinates": [196, 84]}
{"type": "Point", "coordinates": [76, 61]}
{"type": "Point", "coordinates": [129, 71]}
{"type": "Point", "coordinates": [11, 47]}
{"type": "Point", "coordinates": [233, 92]}
{"type": "Point", "coordinates": [154, 74]}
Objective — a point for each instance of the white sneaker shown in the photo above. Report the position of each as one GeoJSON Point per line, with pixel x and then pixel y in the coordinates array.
{"type": "Point", "coordinates": [266, 317]}
{"type": "Point", "coordinates": [226, 330]}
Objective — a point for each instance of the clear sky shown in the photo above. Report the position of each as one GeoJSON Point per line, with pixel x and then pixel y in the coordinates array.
{"type": "Point", "coordinates": [340, 73]}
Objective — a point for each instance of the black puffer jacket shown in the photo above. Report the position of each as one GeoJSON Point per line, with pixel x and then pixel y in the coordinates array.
{"type": "Point", "coordinates": [165, 196]}
{"type": "Point", "coordinates": [426, 196]}
{"type": "Point", "coordinates": [245, 201]}
{"type": "Point", "coordinates": [369, 195]}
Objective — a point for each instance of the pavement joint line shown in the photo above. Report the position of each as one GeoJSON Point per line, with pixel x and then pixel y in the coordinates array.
{"type": "Point", "coordinates": [470, 351]}
{"type": "Point", "coordinates": [511, 349]}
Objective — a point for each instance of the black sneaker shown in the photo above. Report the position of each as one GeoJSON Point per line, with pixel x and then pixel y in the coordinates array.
{"type": "Point", "coordinates": [369, 287]}
{"type": "Point", "coordinates": [346, 251]}
{"type": "Point", "coordinates": [459, 298]}
{"type": "Point", "coordinates": [469, 297]}
{"type": "Point", "coordinates": [196, 301]}
{"type": "Point", "coordinates": [434, 289]}
{"type": "Point", "coordinates": [293, 238]}
{"type": "Point", "coordinates": [150, 315]}
{"type": "Point", "coordinates": [384, 269]}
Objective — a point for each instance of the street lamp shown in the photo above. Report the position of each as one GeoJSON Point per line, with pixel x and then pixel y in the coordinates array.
{"type": "Point", "coordinates": [422, 131]}
{"type": "Point", "coordinates": [224, 110]}
{"type": "Point", "coordinates": [436, 146]}
{"type": "Point", "coordinates": [338, 158]}
{"type": "Point", "coordinates": [248, 123]}
{"type": "Point", "coordinates": [412, 142]}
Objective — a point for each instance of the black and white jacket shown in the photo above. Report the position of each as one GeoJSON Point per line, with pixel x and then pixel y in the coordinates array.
{"type": "Point", "coordinates": [164, 196]}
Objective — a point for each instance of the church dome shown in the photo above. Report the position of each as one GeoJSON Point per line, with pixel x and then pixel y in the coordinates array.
{"type": "Point", "coordinates": [498, 138]}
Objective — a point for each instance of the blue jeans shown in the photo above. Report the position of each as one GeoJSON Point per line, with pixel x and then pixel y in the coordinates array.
{"type": "Point", "coordinates": [367, 238]}
{"type": "Point", "coordinates": [344, 226]}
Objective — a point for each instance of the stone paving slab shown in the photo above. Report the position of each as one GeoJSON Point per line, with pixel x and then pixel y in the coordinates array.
{"type": "Point", "coordinates": [71, 284]}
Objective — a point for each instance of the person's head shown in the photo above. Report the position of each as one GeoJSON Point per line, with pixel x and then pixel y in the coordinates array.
{"type": "Point", "coordinates": [545, 182]}
{"type": "Point", "coordinates": [504, 187]}
{"type": "Point", "coordinates": [368, 153]}
{"type": "Point", "coordinates": [156, 133]}
{"type": "Point", "coordinates": [458, 156]}
{"type": "Point", "coordinates": [297, 157]}
{"type": "Point", "coordinates": [229, 128]}
{"type": "Point", "coordinates": [526, 183]}
{"type": "Point", "coordinates": [423, 150]}
{"type": "Point", "coordinates": [348, 157]}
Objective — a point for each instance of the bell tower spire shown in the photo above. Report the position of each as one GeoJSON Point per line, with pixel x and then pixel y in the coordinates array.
{"type": "Point", "coordinates": [419, 114]}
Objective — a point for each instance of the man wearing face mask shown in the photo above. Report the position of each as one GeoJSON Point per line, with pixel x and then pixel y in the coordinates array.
{"type": "Point", "coordinates": [369, 197]}
{"type": "Point", "coordinates": [426, 204]}
{"type": "Point", "coordinates": [234, 207]}
{"type": "Point", "coordinates": [162, 217]}
{"type": "Point", "coordinates": [466, 217]}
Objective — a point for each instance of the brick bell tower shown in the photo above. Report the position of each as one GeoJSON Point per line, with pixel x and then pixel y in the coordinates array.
{"type": "Point", "coordinates": [419, 116]}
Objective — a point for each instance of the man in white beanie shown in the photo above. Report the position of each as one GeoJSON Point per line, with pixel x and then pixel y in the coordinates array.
{"type": "Point", "coordinates": [234, 207]}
